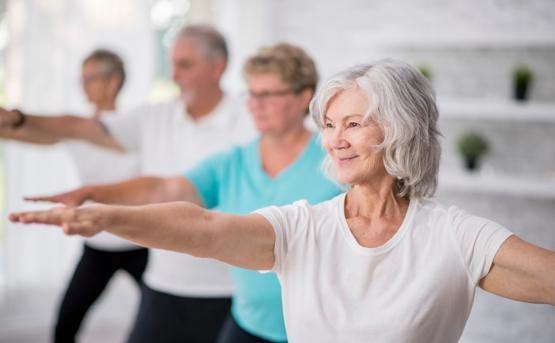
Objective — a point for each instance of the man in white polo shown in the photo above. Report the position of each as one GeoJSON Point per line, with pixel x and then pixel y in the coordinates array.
{"type": "Point", "coordinates": [185, 299]}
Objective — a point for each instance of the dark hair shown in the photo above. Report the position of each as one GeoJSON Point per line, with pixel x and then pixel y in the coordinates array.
{"type": "Point", "coordinates": [111, 63]}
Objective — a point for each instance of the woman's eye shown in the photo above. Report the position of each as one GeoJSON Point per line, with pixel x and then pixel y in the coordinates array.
{"type": "Point", "coordinates": [353, 124]}
{"type": "Point", "coordinates": [328, 125]}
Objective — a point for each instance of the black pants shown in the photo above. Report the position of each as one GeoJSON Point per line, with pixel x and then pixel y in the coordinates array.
{"type": "Point", "coordinates": [92, 274]}
{"type": "Point", "coordinates": [165, 318]}
{"type": "Point", "coordinates": [233, 333]}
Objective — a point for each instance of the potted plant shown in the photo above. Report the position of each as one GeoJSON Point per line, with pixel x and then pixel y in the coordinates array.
{"type": "Point", "coordinates": [424, 70]}
{"type": "Point", "coordinates": [472, 146]}
{"type": "Point", "coordinates": [522, 81]}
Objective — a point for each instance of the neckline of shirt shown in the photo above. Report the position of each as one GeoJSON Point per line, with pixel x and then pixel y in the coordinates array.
{"type": "Point", "coordinates": [387, 246]}
{"type": "Point", "coordinates": [287, 169]}
{"type": "Point", "coordinates": [219, 117]}
{"type": "Point", "coordinates": [104, 113]}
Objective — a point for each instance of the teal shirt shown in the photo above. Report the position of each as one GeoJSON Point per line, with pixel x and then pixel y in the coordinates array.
{"type": "Point", "coordinates": [234, 182]}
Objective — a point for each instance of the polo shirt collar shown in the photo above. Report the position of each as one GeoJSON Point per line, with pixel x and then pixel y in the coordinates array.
{"type": "Point", "coordinates": [220, 117]}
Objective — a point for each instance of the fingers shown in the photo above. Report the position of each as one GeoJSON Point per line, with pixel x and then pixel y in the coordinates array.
{"type": "Point", "coordinates": [14, 217]}
{"type": "Point", "coordinates": [65, 199]}
{"type": "Point", "coordinates": [51, 217]}
{"type": "Point", "coordinates": [48, 198]}
{"type": "Point", "coordinates": [65, 217]}
{"type": "Point", "coordinates": [83, 229]}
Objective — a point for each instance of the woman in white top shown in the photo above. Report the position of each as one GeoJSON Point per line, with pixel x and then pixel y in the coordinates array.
{"type": "Point", "coordinates": [381, 262]}
{"type": "Point", "coordinates": [103, 76]}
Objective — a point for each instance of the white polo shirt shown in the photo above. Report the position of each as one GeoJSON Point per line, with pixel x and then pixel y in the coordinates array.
{"type": "Point", "coordinates": [95, 165]}
{"type": "Point", "coordinates": [168, 142]}
{"type": "Point", "coordinates": [417, 287]}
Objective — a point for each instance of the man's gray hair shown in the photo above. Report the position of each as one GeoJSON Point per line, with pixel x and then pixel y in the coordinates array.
{"type": "Point", "coordinates": [402, 100]}
{"type": "Point", "coordinates": [211, 40]}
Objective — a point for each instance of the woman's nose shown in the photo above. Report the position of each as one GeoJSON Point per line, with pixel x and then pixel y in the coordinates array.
{"type": "Point", "coordinates": [337, 139]}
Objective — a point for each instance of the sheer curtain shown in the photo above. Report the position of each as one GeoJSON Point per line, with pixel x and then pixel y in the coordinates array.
{"type": "Point", "coordinates": [47, 41]}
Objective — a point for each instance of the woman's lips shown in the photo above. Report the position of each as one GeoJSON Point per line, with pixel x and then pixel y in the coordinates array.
{"type": "Point", "coordinates": [344, 160]}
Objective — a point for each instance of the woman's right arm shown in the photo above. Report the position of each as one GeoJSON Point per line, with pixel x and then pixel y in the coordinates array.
{"type": "Point", "coordinates": [138, 191]}
{"type": "Point", "coordinates": [243, 241]}
{"type": "Point", "coordinates": [50, 129]}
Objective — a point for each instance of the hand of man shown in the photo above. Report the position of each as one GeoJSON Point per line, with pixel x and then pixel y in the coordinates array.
{"type": "Point", "coordinates": [72, 198]}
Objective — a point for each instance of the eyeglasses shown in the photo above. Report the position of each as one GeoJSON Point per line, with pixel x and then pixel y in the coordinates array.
{"type": "Point", "coordinates": [266, 95]}
{"type": "Point", "coordinates": [92, 78]}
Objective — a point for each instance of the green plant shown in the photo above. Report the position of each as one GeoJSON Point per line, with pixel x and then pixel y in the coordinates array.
{"type": "Point", "coordinates": [472, 145]}
{"type": "Point", "coordinates": [522, 76]}
{"type": "Point", "coordinates": [425, 71]}
{"type": "Point", "coordinates": [522, 81]}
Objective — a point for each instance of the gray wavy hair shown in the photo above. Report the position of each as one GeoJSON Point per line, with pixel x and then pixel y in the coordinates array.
{"type": "Point", "coordinates": [403, 101]}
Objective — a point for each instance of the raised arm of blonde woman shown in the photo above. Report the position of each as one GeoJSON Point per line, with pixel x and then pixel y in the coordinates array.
{"type": "Point", "coordinates": [243, 241]}
{"type": "Point", "coordinates": [137, 191]}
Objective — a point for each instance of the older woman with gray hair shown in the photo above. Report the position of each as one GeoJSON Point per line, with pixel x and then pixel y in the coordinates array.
{"type": "Point", "coordinates": [381, 262]}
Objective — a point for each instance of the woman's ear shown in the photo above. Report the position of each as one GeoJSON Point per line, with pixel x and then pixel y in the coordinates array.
{"type": "Point", "coordinates": [114, 84]}
{"type": "Point", "coordinates": [306, 96]}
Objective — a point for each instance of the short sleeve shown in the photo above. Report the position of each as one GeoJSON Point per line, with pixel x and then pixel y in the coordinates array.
{"type": "Point", "coordinates": [478, 239]}
{"type": "Point", "coordinates": [287, 222]}
{"type": "Point", "coordinates": [126, 127]}
{"type": "Point", "coordinates": [206, 176]}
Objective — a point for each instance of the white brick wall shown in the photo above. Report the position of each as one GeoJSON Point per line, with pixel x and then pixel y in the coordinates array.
{"type": "Point", "coordinates": [340, 34]}
{"type": "Point", "coordinates": [471, 47]}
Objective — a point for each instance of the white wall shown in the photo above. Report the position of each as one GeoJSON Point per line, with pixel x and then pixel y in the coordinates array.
{"type": "Point", "coordinates": [341, 33]}
{"type": "Point", "coordinates": [247, 25]}
{"type": "Point", "coordinates": [47, 41]}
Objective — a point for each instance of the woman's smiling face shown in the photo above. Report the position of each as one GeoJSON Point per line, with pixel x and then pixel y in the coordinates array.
{"type": "Point", "coordinates": [350, 140]}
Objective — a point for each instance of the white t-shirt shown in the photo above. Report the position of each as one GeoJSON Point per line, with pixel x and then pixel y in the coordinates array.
{"type": "Point", "coordinates": [417, 287]}
{"type": "Point", "coordinates": [168, 142]}
{"type": "Point", "coordinates": [95, 165]}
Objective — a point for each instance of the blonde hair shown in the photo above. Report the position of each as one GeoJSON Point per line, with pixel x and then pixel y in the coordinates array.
{"type": "Point", "coordinates": [291, 63]}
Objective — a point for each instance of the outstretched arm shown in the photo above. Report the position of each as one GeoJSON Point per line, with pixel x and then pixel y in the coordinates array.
{"type": "Point", "coordinates": [138, 191]}
{"type": "Point", "coordinates": [28, 136]}
{"type": "Point", "coordinates": [51, 129]}
{"type": "Point", "coordinates": [243, 241]}
{"type": "Point", "coordinates": [522, 271]}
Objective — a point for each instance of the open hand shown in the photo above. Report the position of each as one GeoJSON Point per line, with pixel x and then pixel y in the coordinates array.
{"type": "Point", "coordinates": [73, 221]}
{"type": "Point", "coordinates": [72, 198]}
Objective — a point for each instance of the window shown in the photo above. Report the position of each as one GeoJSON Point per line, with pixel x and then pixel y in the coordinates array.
{"type": "Point", "coordinates": [167, 17]}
